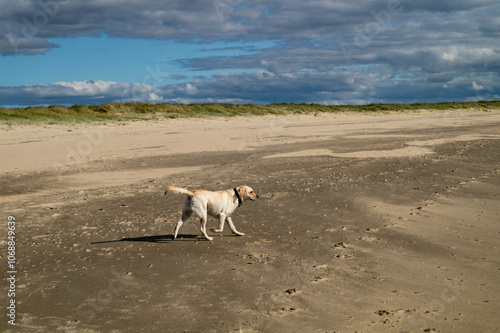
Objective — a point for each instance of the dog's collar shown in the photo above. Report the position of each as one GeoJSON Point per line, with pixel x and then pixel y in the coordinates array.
{"type": "Point", "coordinates": [240, 202]}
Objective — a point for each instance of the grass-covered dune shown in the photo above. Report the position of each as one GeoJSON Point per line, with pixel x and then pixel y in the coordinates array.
{"type": "Point", "coordinates": [144, 111]}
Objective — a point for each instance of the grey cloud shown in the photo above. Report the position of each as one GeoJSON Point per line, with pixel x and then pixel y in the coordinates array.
{"type": "Point", "coordinates": [204, 20]}
{"type": "Point", "coordinates": [172, 19]}
{"type": "Point", "coordinates": [340, 86]}
{"type": "Point", "coordinates": [447, 5]}
{"type": "Point", "coordinates": [12, 44]}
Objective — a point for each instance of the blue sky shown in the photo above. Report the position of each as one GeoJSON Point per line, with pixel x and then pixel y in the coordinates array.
{"type": "Point", "coordinates": [117, 59]}
{"type": "Point", "coordinates": [228, 51]}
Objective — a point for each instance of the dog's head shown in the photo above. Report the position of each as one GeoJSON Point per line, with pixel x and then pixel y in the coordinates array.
{"type": "Point", "coordinates": [247, 193]}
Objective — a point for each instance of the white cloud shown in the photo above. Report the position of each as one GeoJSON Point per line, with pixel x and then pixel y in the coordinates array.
{"type": "Point", "coordinates": [190, 89]}
{"type": "Point", "coordinates": [476, 86]}
{"type": "Point", "coordinates": [78, 92]}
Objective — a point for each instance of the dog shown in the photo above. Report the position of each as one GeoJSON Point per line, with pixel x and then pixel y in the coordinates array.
{"type": "Point", "coordinates": [219, 204]}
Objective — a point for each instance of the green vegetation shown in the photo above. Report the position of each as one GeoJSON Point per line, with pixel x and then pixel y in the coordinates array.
{"type": "Point", "coordinates": [145, 111]}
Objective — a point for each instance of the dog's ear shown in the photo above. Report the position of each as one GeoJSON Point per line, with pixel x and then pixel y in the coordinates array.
{"type": "Point", "coordinates": [241, 191]}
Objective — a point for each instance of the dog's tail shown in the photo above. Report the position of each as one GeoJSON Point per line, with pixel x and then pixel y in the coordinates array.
{"type": "Point", "coordinates": [178, 190]}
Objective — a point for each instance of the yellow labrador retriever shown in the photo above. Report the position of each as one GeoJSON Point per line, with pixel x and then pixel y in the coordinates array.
{"type": "Point", "coordinates": [220, 205]}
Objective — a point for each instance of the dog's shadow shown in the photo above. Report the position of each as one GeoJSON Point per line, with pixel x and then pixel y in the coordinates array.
{"type": "Point", "coordinates": [154, 239]}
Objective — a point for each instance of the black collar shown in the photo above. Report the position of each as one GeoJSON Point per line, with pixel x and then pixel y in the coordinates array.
{"type": "Point", "coordinates": [240, 202]}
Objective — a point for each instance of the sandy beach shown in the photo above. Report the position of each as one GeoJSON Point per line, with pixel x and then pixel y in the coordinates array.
{"type": "Point", "coordinates": [365, 223]}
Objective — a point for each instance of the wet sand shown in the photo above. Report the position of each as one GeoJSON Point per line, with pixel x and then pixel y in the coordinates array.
{"type": "Point", "coordinates": [365, 223]}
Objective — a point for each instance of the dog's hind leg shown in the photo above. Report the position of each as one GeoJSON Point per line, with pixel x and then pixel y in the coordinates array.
{"type": "Point", "coordinates": [232, 227]}
{"type": "Point", "coordinates": [203, 228]}
{"type": "Point", "coordinates": [184, 218]}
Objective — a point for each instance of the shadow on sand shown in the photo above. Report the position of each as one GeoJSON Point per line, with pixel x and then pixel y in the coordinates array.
{"type": "Point", "coordinates": [155, 239]}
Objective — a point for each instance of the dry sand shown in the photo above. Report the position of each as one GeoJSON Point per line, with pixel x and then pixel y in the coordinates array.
{"type": "Point", "coordinates": [366, 223]}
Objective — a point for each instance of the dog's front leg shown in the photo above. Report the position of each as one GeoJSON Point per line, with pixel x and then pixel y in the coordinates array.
{"type": "Point", "coordinates": [232, 227]}
{"type": "Point", "coordinates": [222, 218]}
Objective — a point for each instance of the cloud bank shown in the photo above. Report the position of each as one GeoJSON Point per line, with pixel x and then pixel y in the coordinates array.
{"type": "Point", "coordinates": [331, 52]}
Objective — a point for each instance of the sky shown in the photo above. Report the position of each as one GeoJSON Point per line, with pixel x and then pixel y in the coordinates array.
{"type": "Point", "coordinates": [66, 52]}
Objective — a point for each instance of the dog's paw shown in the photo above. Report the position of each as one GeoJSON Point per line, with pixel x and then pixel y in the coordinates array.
{"type": "Point", "coordinates": [215, 230]}
{"type": "Point", "coordinates": [239, 233]}
{"type": "Point", "coordinates": [210, 238]}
